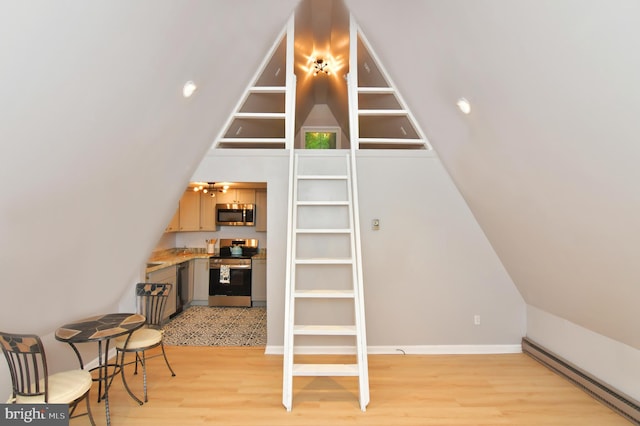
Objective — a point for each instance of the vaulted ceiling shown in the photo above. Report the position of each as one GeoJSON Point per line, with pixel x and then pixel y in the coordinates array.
{"type": "Point", "coordinates": [547, 159]}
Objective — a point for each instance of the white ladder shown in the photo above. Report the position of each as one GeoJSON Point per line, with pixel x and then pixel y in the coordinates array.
{"type": "Point", "coordinates": [324, 268]}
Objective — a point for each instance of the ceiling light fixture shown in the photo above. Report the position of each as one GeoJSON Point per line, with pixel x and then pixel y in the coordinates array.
{"type": "Point", "coordinates": [188, 89]}
{"type": "Point", "coordinates": [205, 187]}
{"type": "Point", "coordinates": [320, 65]}
{"type": "Point", "coordinates": [464, 105]}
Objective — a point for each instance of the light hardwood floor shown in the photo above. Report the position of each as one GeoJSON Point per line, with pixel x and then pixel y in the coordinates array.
{"type": "Point", "coordinates": [242, 386]}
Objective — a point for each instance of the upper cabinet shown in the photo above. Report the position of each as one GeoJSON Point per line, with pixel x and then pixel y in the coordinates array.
{"type": "Point", "coordinates": [190, 211]}
{"type": "Point", "coordinates": [237, 196]}
{"type": "Point", "coordinates": [174, 225]}
{"type": "Point", "coordinates": [196, 212]}
{"type": "Point", "coordinates": [207, 212]}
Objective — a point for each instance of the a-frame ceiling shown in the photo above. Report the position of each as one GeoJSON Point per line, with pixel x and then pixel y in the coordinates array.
{"type": "Point", "coordinates": [547, 159]}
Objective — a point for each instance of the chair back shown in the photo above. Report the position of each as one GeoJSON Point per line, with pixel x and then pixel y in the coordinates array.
{"type": "Point", "coordinates": [27, 364]}
{"type": "Point", "coordinates": [152, 299]}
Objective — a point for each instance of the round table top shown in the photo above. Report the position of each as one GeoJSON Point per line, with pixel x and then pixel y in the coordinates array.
{"type": "Point", "coordinates": [99, 327]}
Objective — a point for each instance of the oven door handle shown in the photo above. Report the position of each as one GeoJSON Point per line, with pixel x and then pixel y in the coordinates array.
{"type": "Point", "coordinates": [232, 267]}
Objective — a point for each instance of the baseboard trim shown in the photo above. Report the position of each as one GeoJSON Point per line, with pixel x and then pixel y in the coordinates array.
{"type": "Point", "coordinates": [614, 399]}
{"type": "Point", "coordinates": [401, 350]}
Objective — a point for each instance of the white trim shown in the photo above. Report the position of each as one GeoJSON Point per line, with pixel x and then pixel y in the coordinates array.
{"type": "Point", "coordinates": [402, 350]}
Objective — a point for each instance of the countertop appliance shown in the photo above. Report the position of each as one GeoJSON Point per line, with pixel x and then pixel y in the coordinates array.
{"type": "Point", "coordinates": [230, 275]}
{"type": "Point", "coordinates": [235, 215]}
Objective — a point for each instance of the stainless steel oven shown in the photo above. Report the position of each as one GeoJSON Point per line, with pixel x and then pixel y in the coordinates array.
{"type": "Point", "coordinates": [230, 274]}
{"type": "Point", "coordinates": [229, 281]}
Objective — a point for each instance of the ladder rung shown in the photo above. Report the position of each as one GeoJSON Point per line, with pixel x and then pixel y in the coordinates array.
{"type": "Point", "coordinates": [324, 261]}
{"type": "Point", "coordinates": [324, 330]}
{"type": "Point", "coordinates": [323, 203]}
{"type": "Point", "coordinates": [268, 89]}
{"type": "Point", "coordinates": [376, 90]}
{"type": "Point", "coordinates": [392, 141]}
{"type": "Point", "coordinates": [324, 294]}
{"type": "Point", "coordinates": [252, 140]}
{"type": "Point", "coordinates": [260, 115]}
{"type": "Point", "coordinates": [372, 112]}
{"type": "Point", "coordinates": [325, 370]}
{"type": "Point", "coordinates": [322, 177]}
{"type": "Point", "coordinates": [323, 231]}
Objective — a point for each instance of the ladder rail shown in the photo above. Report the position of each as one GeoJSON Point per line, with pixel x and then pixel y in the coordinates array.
{"type": "Point", "coordinates": [356, 271]}
{"type": "Point", "coordinates": [287, 373]}
{"type": "Point", "coordinates": [361, 338]}
{"type": "Point", "coordinates": [289, 312]}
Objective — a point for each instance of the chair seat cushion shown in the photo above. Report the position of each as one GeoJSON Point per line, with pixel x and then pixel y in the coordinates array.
{"type": "Point", "coordinates": [64, 388]}
{"type": "Point", "coordinates": [140, 339]}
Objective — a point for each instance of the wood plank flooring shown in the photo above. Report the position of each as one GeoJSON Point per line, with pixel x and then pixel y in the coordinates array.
{"type": "Point", "coordinates": [242, 386]}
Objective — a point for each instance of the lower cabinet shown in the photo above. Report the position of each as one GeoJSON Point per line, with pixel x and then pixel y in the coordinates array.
{"type": "Point", "coordinates": [166, 275]}
{"type": "Point", "coordinates": [259, 282]}
{"type": "Point", "coordinates": [201, 282]}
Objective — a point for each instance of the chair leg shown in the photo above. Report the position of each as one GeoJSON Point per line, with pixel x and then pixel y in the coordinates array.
{"type": "Point", "coordinates": [86, 398]}
{"type": "Point", "coordinates": [124, 379]}
{"type": "Point", "coordinates": [166, 360]}
{"type": "Point", "coordinates": [144, 376]}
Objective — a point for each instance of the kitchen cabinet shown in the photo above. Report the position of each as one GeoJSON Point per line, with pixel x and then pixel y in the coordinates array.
{"type": "Point", "coordinates": [190, 211]}
{"type": "Point", "coordinates": [261, 210]}
{"type": "Point", "coordinates": [208, 212]}
{"type": "Point", "coordinates": [196, 212]}
{"type": "Point", "coordinates": [258, 282]}
{"type": "Point", "coordinates": [190, 284]}
{"type": "Point", "coordinates": [166, 275]}
{"type": "Point", "coordinates": [237, 196]}
{"type": "Point", "coordinates": [174, 225]}
{"type": "Point", "coordinates": [201, 282]}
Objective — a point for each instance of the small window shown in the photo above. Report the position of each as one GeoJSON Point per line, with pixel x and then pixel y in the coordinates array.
{"type": "Point", "coordinates": [321, 137]}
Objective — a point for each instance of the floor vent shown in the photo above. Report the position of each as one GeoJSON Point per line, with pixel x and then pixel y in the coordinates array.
{"type": "Point", "coordinates": [618, 402]}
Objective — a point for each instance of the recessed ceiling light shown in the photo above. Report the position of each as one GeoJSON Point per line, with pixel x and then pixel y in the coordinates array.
{"type": "Point", "coordinates": [464, 105]}
{"type": "Point", "coordinates": [188, 89]}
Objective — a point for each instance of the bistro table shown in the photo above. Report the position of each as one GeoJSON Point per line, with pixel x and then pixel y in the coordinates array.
{"type": "Point", "coordinates": [100, 328]}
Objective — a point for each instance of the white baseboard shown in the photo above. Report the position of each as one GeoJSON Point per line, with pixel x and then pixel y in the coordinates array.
{"type": "Point", "coordinates": [402, 350]}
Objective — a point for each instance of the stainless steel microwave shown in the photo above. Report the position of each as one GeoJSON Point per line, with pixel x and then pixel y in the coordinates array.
{"type": "Point", "coordinates": [235, 214]}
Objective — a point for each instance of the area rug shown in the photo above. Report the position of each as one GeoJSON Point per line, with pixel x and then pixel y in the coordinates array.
{"type": "Point", "coordinates": [217, 326]}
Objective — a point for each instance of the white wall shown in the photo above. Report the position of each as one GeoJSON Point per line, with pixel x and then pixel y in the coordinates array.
{"type": "Point", "coordinates": [429, 269]}
{"type": "Point", "coordinates": [427, 272]}
{"type": "Point", "coordinates": [613, 362]}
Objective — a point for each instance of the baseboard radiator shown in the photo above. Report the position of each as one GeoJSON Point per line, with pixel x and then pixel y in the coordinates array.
{"type": "Point", "coordinates": [617, 401]}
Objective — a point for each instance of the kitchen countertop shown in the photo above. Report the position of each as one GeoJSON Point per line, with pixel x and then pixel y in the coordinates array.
{"type": "Point", "coordinates": [174, 256]}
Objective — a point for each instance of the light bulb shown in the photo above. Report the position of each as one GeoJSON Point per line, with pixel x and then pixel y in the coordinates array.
{"type": "Point", "coordinates": [188, 89]}
{"type": "Point", "coordinates": [464, 105]}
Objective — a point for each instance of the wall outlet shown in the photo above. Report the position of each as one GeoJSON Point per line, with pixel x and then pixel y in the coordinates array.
{"type": "Point", "coordinates": [375, 224]}
{"type": "Point", "coordinates": [476, 319]}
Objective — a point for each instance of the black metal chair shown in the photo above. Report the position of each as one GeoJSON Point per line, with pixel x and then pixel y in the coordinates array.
{"type": "Point", "coordinates": [30, 377]}
{"type": "Point", "coordinates": [152, 299]}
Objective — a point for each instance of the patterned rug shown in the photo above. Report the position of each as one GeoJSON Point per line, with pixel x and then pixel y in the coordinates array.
{"type": "Point", "coordinates": [217, 326]}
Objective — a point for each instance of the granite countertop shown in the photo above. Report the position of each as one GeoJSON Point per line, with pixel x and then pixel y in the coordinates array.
{"type": "Point", "coordinates": [171, 257]}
